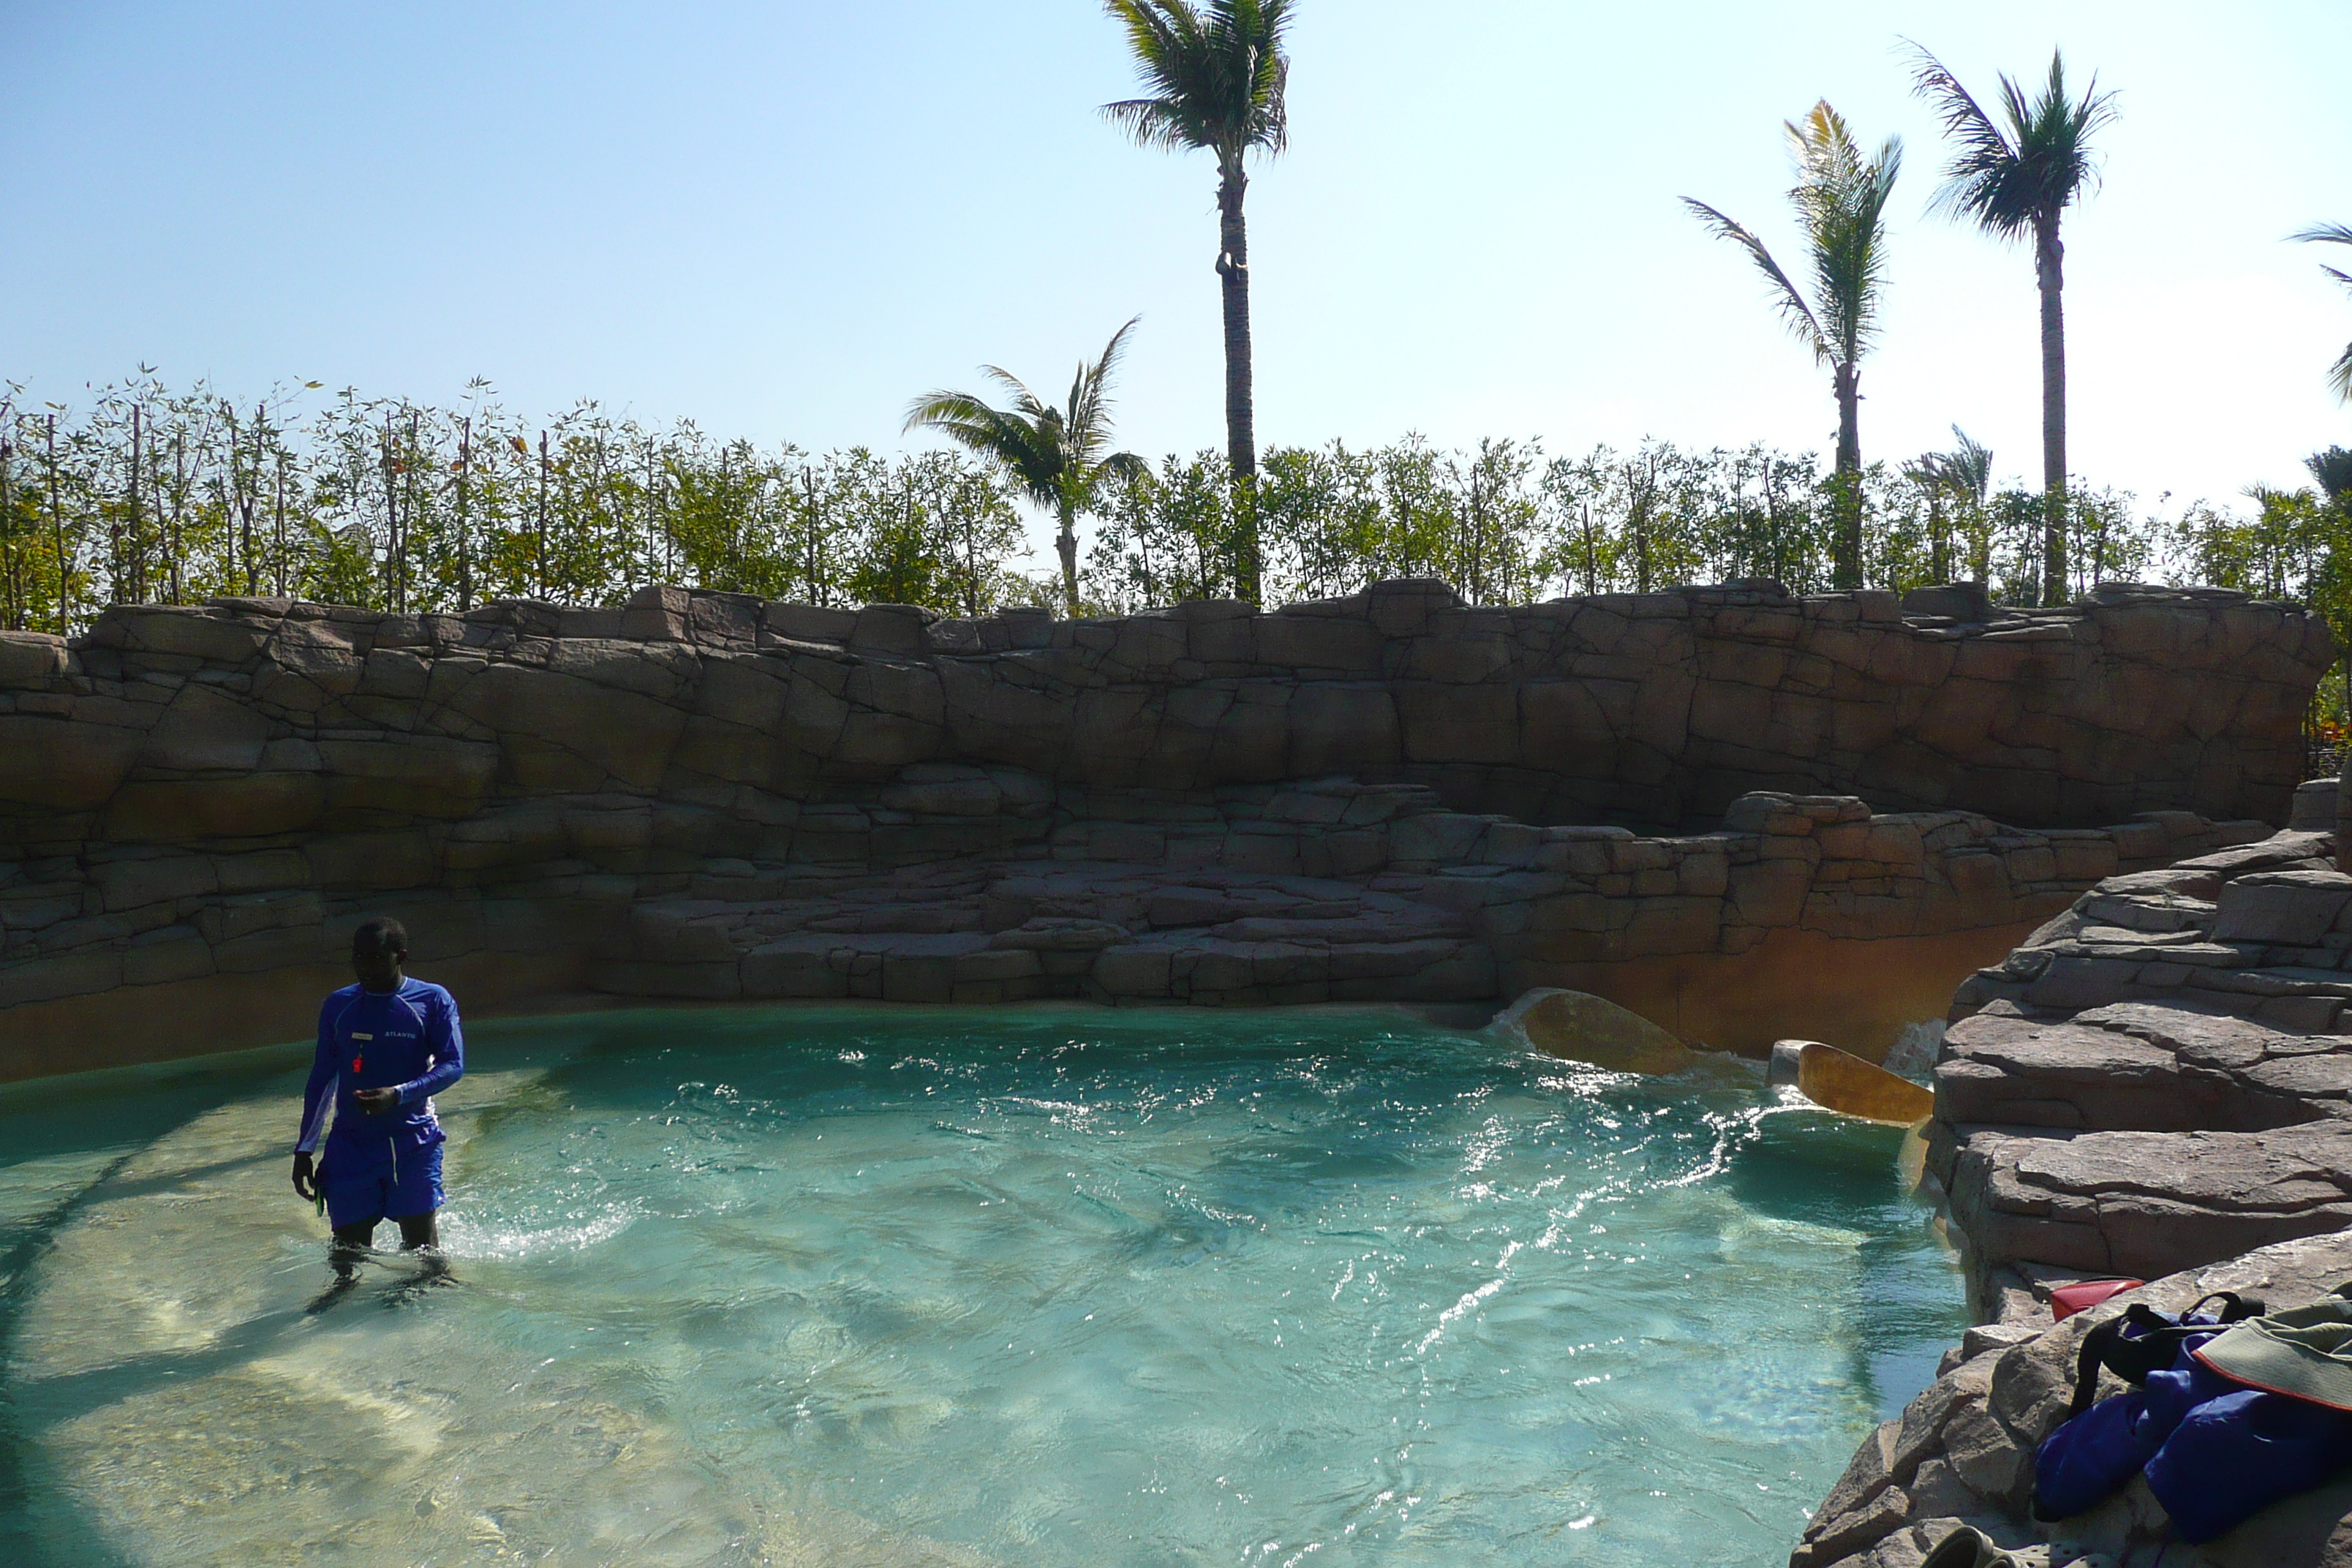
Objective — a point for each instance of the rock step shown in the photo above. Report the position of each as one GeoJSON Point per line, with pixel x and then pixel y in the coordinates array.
{"type": "Point", "coordinates": [2142, 1203]}
{"type": "Point", "coordinates": [2157, 1066]}
{"type": "Point", "coordinates": [2271, 919]}
{"type": "Point", "coordinates": [706, 953]}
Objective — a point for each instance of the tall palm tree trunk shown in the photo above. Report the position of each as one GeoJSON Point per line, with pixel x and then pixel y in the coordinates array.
{"type": "Point", "coordinates": [1065, 545]}
{"type": "Point", "coordinates": [1847, 566]}
{"type": "Point", "coordinates": [2048, 271]}
{"type": "Point", "coordinates": [1241, 411]}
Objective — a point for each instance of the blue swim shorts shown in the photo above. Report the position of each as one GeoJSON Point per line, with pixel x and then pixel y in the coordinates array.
{"type": "Point", "coordinates": [371, 1180]}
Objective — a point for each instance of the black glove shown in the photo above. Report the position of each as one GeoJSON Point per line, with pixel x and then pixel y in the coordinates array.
{"type": "Point", "coordinates": [306, 1176]}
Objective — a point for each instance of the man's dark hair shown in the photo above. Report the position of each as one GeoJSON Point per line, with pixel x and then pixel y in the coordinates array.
{"type": "Point", "coordinates": [381, 934]}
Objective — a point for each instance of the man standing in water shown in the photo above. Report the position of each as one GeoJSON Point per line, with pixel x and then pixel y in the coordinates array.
{"type": "Point", "coordinates": [386, 1046]}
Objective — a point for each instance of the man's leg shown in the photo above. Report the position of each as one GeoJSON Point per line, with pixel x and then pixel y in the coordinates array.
{"type": "Point", "coordinates": [359, 1236]}
{"type": "Point", "coordinates": [355, 1198]}
{"type": "Point", "coordinates": [352, 1241]}
{"type": "Point", "coordinates": [421, 1234]}
{"type": "Point", "coordinates": [416, 1188]}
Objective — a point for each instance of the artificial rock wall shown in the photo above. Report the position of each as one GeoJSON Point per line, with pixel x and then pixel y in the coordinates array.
{"type": "Point", "coordinates": [1390, 796]}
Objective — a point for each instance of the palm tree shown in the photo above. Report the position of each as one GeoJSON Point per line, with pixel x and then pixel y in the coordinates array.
{"type": "Point", "coordinates": [1216, 76]}
{"type": "Point", "coordinates": [2016, 179]}
{"type": "Point", "coordinates": [2333, 470]}
{"type": "Point", "coordinates": [1926, 472]}
{"type": "Point", "coordinates": [1841, 199]}
{"type": "Point", "coordinates": [1963, 474]}
{"type": "Point", "coordinates": [1967, 468]}
{"type": "Point", "coordinates": [1054, 455]}
{"type": "Point", "coordinates": [2339, 376]}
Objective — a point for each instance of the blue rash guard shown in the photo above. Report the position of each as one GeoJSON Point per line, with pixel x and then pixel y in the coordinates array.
{"type": "Point", "coordinates": [387, 1165]}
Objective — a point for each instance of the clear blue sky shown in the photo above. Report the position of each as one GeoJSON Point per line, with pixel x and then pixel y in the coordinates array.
{"type": "Point", "coordinates": [784, 220]}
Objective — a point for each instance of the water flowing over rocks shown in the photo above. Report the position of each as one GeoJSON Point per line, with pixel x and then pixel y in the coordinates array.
{"type": "Point", "coordinates": [1391, 797]}
{"type": "Point", "coordinates": [2157, 1085]}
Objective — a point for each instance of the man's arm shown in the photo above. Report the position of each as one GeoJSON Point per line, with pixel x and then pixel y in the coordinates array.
{"type": "Point", "coordinates": [319, 1094]}
{"type": "Point", "coordinates": [447, 1040]}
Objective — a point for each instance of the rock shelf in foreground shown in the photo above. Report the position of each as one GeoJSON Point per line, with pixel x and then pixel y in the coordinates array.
{"type": "Point", "coordinates": [1962, 1453]}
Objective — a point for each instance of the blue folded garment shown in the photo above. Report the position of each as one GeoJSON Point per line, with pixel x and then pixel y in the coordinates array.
{"type": "Point", "coordinates": [2180, 1389]}
{"type": "Point", "coordinates": [2096, 1454]}
{"type": "Point", "coordinates": [2214, 1451]}
{"type": "Point", "coordinates": [2230, 1458]}
{"type": "Point", "coordinates": [2091, 1456]}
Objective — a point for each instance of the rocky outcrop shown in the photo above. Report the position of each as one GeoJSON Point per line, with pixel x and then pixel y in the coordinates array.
{"type": "Point", "coordinates": [2158, 1083]}
{"type": "Point", "coordinates": [1391, 797]}
{"type": "Point", "coordinates": [2155, 1081]}
{"type": "Point", "coordinates": [2143, 1204]}
{"type": "Point", "coordinates": [1653, 709]}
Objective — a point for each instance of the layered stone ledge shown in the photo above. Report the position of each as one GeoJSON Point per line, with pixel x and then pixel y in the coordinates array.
{"type": "Point", "coordinates": [1337, 890]}
{"type": "Point", "coordinates": [2157, 1078]}
{"type": "Point", "coordinates": [1332, 891]}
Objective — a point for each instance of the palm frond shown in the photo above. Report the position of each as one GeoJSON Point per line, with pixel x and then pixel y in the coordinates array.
{"type": "Point", "coordinates": [2339, 375]}
{"type": "Point", "coordinates": [1215, 74]}
{"type": "Point", "coordinates": [941, 410]}
{"type": "Point", "coordinates": [1027, 451]}
{"type": "Point", "coordinates": [1262, 25]}
{"type": "Point", "coordinates": [2008, 177]}
{"type": "Point", "coordinates": [2053, 136]}
{"type": "Point", "coordinates": [2330, 234]}
{"type": "Point", "coordinates": [1024, 402]}
{"type": "Point", "coordinates": [1124, 468]}
{"type": "Point", "coordinates": [1794, 312]}
{"type": "Point", "coordinates": [1090, 394]}
{"type": "Point", "coordinates": [1973, 186]}
{"type": "Point", "coordinates": [1971, 464]}
{"type": "Point", "coordinates": [1841, 198]}
{"type": "Point", "coordinates": [1156, 124]}
{"type": "Point", "coordinates": [1049, 451]}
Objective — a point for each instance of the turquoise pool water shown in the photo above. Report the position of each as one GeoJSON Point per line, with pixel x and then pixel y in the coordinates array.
{"type": "Point", "coordinates": [1055, 1288]}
